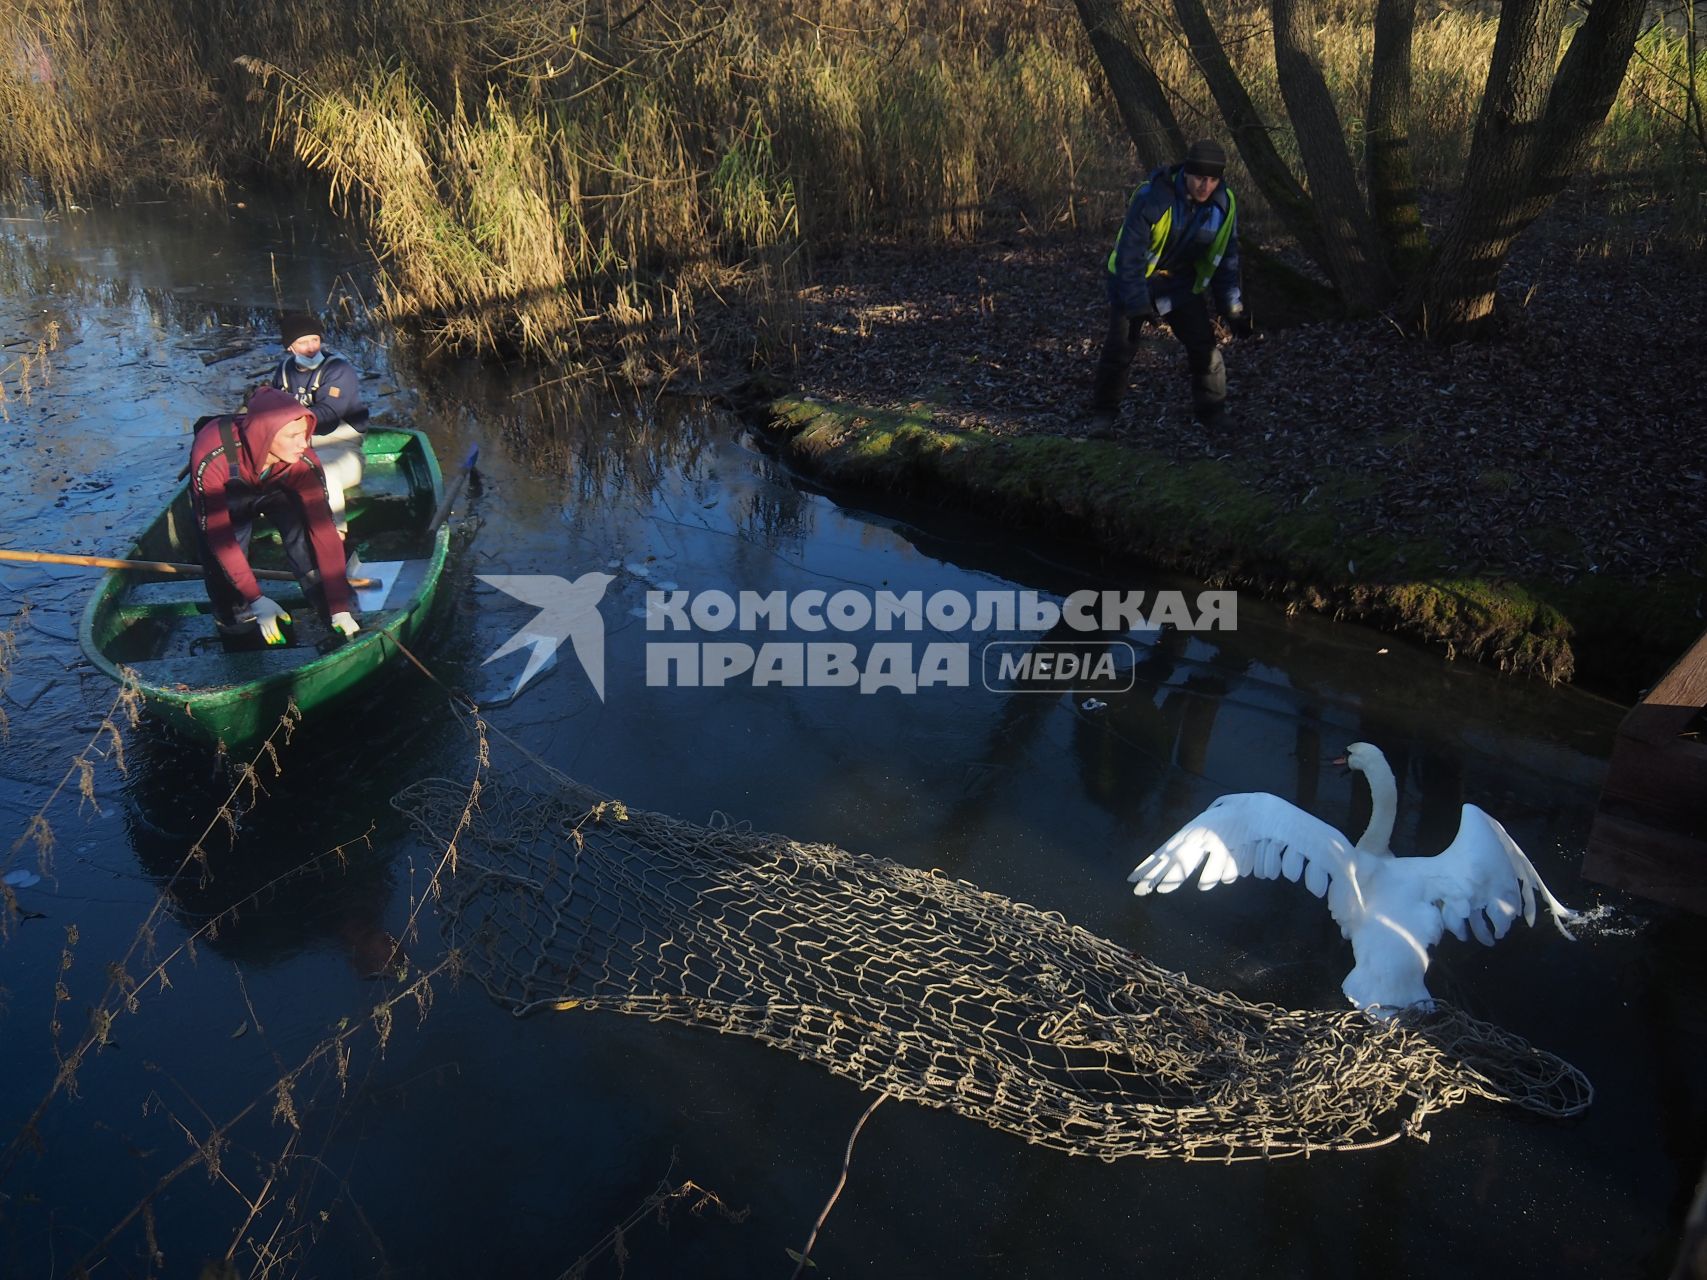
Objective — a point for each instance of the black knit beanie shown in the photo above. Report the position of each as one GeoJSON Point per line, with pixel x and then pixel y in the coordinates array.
{"type": "Point", "coordinates": [298, 324]}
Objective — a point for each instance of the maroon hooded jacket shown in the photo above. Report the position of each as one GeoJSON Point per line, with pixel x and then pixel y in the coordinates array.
{"type": "Point", "coordinates": [213, 475]}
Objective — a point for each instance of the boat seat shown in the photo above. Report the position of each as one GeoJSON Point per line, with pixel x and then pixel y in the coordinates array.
{"type": "Point", "coordinates": [382, 483]}
{"type": "Point", "coordinates": [185, 596]}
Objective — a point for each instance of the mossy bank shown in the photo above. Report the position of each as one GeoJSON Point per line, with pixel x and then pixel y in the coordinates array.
{"type": "Point", "coordinates": [1205, 517]}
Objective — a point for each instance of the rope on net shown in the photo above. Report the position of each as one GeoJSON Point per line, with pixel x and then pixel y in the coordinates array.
{"type": "Point", "coordinates": [931, 989]}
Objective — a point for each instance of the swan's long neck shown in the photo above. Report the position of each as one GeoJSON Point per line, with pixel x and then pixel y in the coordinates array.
{"type": "Point", "coordinates": [1384, 804]}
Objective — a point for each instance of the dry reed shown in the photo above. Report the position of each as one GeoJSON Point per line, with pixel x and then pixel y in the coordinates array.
{"type": "Point", "coordinates": [573, 181]}
{"type": "Point", "coordinates": [278, 1218]}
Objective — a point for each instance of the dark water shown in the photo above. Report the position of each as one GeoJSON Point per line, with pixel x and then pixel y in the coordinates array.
{"type": "Point", "coordinates": [476, 1144]}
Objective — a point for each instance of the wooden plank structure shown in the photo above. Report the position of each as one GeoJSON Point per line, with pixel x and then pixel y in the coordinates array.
{"type": "Point", "coordinates": [1650, 832]}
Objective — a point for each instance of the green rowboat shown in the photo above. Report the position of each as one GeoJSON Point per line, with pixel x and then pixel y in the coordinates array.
{"type": "Point", "coordinates": [163, 628]}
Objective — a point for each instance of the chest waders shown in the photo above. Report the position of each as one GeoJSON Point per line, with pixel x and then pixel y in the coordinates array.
{"type": "Point", "coordinates": [231, 610]}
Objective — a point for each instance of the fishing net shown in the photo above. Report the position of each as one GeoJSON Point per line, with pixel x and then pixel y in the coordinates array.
{"type": "Point", "coordinates": [931, 989]}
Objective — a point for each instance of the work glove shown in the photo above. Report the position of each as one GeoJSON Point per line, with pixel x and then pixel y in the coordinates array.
{"type": "Point", "coordinates": [1144, 312]}
{"type": "Point", "coordinates": [345, 625]}
{"type": "Point", "coordinates": [1162, 304]}
{"type": "Point", "coordinates": [269, 616]}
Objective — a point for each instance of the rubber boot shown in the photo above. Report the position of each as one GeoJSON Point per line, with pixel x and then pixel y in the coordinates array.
{"type": "Point", "coordinates": [1209, 391]}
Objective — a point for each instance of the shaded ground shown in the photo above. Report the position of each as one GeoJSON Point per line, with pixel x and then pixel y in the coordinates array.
{"type": "Point", "coordinates": [1531, 501]}
{"type": "Point", "coordinates": [1576, 446]}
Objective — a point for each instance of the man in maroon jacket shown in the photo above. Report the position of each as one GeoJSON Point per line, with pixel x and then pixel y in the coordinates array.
{"type": "Point", "coordinates": [255, 464]}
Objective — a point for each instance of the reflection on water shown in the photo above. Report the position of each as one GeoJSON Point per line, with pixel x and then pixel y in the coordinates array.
{"type": "Point", "coordinates": [181, 267]}
{"type": "Point", "coordinates": [557, 1127]}
{"type": "Point", "coordinates": [264, 889]}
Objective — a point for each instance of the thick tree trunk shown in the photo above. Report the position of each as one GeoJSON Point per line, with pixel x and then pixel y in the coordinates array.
{"type": "Point", "coordinates": [1250, 135]}
{"type": "Point", "coordinates": [1143, 104]}
{"type": "Point", "coordinates": [1355, 262]}
{"type": "Point", "coordinates": [1457, 294]}
{"type": "Point", "coordinates": [1588, 81]}
{"type": "Point", "coordinates": [1392, 184]}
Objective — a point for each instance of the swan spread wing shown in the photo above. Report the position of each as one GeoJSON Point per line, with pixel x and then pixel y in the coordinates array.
{"type": "Point", "coordinates": [1249, 834]}
{"type": "Point", "coordinates": [1483, 881]}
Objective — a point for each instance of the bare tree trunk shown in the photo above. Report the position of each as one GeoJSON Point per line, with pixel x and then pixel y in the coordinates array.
{"type": "Point", "coordinates": [1138, 93]}
{"type": "Point", "coordinates": [1457, 293]}
{"type": "Point", "coordinates": [1250, 135]}
{"type": "Point", "coordinates": [1583, 93]}
{"type": "Point", "coordinates": [1355, 263]}
{"type": "Point", "coordinates": [1532, 131]}
{"type": "Point", "coordinates": [1392, 184]}
{"type": "Point", "coordinates": [1693, 116]}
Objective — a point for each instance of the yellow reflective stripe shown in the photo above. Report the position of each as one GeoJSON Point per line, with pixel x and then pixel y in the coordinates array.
{"type": "Point", "coordinates": [1218, 250]}
{"type": "Point", "coordinates": [1158, 240]}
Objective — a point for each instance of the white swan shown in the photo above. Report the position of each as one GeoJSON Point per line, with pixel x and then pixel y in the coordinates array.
{"type": "Point", "coordinates": [1392, 909]}
{"type": "Point", "coordinates": [1377, 837]}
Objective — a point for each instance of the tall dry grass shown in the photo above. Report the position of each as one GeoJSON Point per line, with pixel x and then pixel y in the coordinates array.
{"type": "Point", "coordinates": [559, 177]}
{"type": "Point", "coordinates": [88, 96]}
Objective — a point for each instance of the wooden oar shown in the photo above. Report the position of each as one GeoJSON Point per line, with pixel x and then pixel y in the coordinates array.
{"type": "Point", "coordinates": [151, 566]}
{"type": "Point", "coordinates": [454, 489]}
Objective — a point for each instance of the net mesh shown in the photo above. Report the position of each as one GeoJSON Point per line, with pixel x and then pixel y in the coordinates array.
{"type": "Point", "coordinates": [931, 989]}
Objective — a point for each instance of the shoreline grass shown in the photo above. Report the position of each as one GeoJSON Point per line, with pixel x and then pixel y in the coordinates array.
{"type": "Point", "coordinates": [1204, 519]}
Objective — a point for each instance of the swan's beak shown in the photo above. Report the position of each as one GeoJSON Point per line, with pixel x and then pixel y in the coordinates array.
{"type": "Point", "coordinates": [1341, 762]}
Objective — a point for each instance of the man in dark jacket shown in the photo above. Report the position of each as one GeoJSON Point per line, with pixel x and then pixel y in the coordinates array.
{"type": "Point", "coordinates": [325, 383]}
{"type": "Point", "coordinates": [259, 463]}
{"type": "Point", "coordinates": [1179, 241]}
{"type": "Point", "coordinates": [314, 377]}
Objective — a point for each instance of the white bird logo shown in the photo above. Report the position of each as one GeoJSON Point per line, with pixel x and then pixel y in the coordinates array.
{"type": "Point", "coordinates": [567, 611]}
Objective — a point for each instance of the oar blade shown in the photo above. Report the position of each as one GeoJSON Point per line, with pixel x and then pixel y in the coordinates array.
{"type": "Point", "coordinates": [383, 572]}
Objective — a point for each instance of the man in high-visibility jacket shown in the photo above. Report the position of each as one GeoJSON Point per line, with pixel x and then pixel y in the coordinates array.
{"type": "Point", "coordinates": [1179, 242]}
